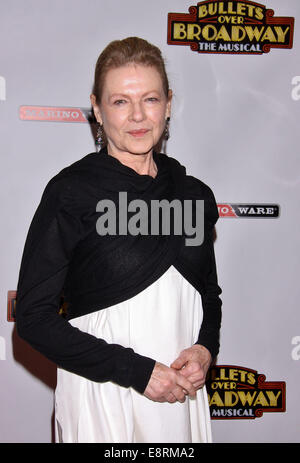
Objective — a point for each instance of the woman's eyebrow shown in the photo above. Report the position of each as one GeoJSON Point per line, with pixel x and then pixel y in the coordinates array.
{"type": "Point", "coordinates": [127, 95]}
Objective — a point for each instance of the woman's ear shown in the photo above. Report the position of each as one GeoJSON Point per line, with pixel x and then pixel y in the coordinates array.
{"type": "Point", "coordinates": [96, 109]}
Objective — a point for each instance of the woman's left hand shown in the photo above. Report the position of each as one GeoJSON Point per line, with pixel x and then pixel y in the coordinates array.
{"type": "Point", "coordinates": [193, 363]}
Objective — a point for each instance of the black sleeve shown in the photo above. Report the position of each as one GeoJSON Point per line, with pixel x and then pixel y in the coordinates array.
{"type": "Point", "coordinates": [211, 302]}
{"type": "Point", "coordinates": [52, 238]}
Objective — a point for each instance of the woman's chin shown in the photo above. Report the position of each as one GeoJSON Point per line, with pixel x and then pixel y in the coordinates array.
{"type": "Point", "coordinates": [139, 147]}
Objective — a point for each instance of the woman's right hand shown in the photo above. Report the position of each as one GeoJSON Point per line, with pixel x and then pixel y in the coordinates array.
{"type": "Point", "coordinates": [168, 385]}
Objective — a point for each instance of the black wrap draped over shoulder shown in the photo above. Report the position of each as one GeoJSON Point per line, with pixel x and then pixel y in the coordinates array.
{"type": "Point", "coordinates": [65, 254]}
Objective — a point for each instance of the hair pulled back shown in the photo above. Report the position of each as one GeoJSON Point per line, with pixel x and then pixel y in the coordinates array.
{"type": "Point", "coordinates": [132, 50]}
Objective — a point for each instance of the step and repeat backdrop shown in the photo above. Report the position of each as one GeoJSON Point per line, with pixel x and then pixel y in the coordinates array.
{"type": "Point", "coordinates": [234, 67]}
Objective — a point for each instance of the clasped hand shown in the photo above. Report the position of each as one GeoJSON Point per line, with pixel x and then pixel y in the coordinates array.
{"type": "Point", "coordinates": [184, 376]}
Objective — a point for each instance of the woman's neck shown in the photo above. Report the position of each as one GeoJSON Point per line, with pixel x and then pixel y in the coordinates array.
{"type": "Point", "coordinates": [143, 164]}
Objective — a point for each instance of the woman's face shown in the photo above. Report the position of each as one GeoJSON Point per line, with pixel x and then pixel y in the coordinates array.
{"type": "Point", "coordinates": [133, 109]}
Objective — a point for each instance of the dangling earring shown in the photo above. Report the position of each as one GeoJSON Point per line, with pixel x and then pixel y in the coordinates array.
{"type": "Point", "coordinates": [100, 137]}
{"type": "Point", "coordinates": [167, 132]}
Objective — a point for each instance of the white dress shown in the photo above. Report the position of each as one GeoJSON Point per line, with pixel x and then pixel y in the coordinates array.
{"type": "Point", "coordinates": [159, 322]}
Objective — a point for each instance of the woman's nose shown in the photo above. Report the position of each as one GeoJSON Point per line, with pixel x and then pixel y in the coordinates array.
{"type": "Point", "coordinates": [137, 112]}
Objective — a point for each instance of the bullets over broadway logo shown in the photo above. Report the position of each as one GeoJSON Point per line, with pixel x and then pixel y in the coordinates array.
{"type": "Point", "coordinates": [241, 393]}
{"type": "Point", "coordinates": [231, 27]}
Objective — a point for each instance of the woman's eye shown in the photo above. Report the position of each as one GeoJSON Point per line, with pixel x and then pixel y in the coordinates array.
{"type": "Point", "coordinates": [152, 99]}
{"type": "Point", "coordinates": [119, 102]}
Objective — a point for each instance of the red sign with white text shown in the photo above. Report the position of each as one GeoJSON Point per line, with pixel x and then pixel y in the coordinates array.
{"type": "Point", "coordinates": [54, 114]}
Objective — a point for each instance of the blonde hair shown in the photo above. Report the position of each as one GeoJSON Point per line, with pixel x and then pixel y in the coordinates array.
{"type": "Point", "coordinates": [122, 52]}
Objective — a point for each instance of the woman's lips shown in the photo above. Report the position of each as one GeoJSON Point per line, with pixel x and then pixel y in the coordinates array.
{"type": "Point", "coordinates": [138, 133]}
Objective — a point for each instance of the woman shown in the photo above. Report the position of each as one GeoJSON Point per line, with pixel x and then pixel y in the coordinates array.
{"type": "Point", "coordinates": [143, 310]}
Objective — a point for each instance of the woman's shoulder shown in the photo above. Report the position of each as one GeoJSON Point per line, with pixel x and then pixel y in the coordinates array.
{"type": "Point", "coordinates": [194, 185]}
{"type": "Point", "coordinates": [199, 190]}
{"type": "Point", "coordinates": [71, 179]}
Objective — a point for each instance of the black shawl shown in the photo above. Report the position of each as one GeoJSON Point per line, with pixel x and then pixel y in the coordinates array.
{"type": "Point", "coordinates": [64, 254]}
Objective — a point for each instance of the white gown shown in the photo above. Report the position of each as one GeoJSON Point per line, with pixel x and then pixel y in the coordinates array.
{"type": "Point", "coordinates": [159, 322]}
